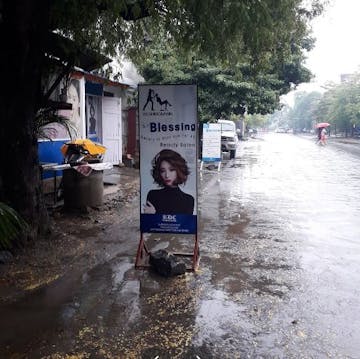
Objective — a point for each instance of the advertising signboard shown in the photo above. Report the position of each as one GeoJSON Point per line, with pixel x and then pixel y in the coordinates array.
{"type": "Point", "coordinates": [211, 142]}
{"type": "Point", "coordinates": [168, 158]}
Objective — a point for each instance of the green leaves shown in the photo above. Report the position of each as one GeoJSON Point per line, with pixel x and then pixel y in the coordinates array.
{"type": "Point", "coordinates": [303, 115]}
{"type": "Point", "coordinates": [242, 54]}
{"type": "Point", "coordinates": [223, 30]}
{"type": "Point", "coordinates": [339, 105]}
{"type": "Point", "coordinates": [223, 90]}
{"type": "Point", "coordinates": [11, 226]}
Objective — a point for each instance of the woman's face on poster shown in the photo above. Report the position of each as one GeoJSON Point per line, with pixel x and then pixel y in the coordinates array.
{"type": "Point", "coordinates": [168, 174]}
{"type": "Point", "coordinates": [73, 98]}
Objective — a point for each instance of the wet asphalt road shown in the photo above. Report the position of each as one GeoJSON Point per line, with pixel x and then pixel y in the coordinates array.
{"type": "Point", "coordinates": [279, 271]}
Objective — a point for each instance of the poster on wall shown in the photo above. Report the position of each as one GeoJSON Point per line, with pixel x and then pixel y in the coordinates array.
{"type": "Point", "coordinates": [57, 131]}
{"type": "Point", "coordinates": [211, 142]}
{"type": "Point", "coordinates": [93, 116]}
{"type": "Point", "coordinates": [73, 97]}
{"type": "Point", "coordinates": [74, 115]}
{"type": "Point", "coordinates": [168, 158]}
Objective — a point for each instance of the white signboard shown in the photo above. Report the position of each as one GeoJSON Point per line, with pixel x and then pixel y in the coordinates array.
{"type": "Point", "coordinates": [211, 143]}
{"type": "Point", "coordinates": [168, 158]}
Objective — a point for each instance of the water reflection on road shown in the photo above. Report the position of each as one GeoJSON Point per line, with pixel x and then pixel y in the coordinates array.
{"type": "Point", "coordinates": [287, 212]}
{"type": "Point", "coordinates": [279, 272]}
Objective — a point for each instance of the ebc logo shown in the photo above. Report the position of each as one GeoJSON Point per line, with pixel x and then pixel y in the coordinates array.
{"type": "Point", "coordinates": [169, 218]}
{"type": "Point", "coordinates": [160, 104]}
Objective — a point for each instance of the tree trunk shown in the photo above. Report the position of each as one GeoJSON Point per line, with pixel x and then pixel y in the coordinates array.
{"type": "Point", "coordinates": [23, 30]}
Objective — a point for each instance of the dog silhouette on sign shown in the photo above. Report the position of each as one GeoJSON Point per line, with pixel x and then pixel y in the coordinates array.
{"type": "Point", "coordinates": [165, 103]}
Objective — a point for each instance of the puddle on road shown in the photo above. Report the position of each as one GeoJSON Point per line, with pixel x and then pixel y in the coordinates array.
{"type": "Point", "coordinates": [63, 306]}
{"type": "Point", "coordinates": [216, 315]}
{"type": "Point", "coordinates": [237, 224]}
{"type": "Point", "coordinates": [278, 274]}
{"type": "Point", "coordinates": [303, 226]}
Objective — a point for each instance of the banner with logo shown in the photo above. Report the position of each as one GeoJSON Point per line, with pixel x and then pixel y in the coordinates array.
{"type": "Point", "coordinates": [211, 142]}
{"type": "Point", "coordinates": [168, 158]}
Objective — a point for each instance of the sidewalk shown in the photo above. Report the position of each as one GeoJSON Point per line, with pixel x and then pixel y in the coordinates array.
{"type": "Point", "coordinates": [75, 240]}
{"type": "Point", "coordinates": [117, 178]}
{"type": "Point", "coordinates": [332, 138]}
{"type": "Point", "coordinates": [347, 140]}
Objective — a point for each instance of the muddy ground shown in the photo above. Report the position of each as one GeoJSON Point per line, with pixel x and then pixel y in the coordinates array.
{"type": "Point", "coordinates": [73, 241]}
{"type": "Point", "coordinates": [74, 238]}
{"type": "Point", "coordinates": [270, 283]}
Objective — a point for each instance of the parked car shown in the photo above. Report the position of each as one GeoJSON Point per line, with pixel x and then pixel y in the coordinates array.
{"type": "Point", "coordinates": [356, 132]}
{"type": "Point", "coordinates": [229, 138]}
{"type": "Point", "coordinates": [282, 130]}
{"type": "Point", "coordinates": [252, 132]}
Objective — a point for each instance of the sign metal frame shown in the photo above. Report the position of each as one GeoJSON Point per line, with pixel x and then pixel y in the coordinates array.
{"type": "Point", "coordinates": [168, 132]}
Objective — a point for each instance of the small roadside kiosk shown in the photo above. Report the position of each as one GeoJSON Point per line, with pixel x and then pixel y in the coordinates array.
{"type": "Point", "coordinates": [168, 167]}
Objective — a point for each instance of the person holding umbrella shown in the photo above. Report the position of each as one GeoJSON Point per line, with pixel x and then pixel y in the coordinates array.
{"type": "Point", "coordinates": [322, 132]}
{"type": "Point", "coordinates": [323, 136]}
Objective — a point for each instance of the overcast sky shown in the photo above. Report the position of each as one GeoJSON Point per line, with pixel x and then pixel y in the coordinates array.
{"type": "Point", "coordinates": [337, 47]}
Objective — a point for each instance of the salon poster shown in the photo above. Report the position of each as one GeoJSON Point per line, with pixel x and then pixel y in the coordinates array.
{"type": "Point", "coordinates": [211, 144]}
{"type": "Point", "coordinates": [168, 158]}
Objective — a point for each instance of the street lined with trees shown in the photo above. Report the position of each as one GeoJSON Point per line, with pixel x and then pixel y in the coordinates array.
{"type": "Point", "coordinates": [266, 37]}
{"type": "Point", "coordinates": [339, 105]}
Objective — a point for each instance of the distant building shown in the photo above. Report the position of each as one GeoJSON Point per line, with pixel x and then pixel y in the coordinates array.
{"type": "Point", "coordinates": [347, 77]}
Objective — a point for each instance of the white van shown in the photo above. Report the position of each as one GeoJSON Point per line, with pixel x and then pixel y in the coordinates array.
{"type": "Point", "coordinates": [229, 138]}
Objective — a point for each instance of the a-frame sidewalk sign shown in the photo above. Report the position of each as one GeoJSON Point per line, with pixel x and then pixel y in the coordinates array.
{"type": "Point", "coordinates": [168, 134]}
{"type": "Point", "coordinates": [211, 144]}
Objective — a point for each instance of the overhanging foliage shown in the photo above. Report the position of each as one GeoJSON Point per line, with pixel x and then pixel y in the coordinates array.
{"type": "Point", "coordinates": [223, 89]}
{"type": "Point", "coordinates": [262, 34]}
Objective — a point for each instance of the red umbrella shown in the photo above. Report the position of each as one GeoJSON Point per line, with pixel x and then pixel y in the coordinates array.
{"type": "Point", "coordinates": [322, 124]}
